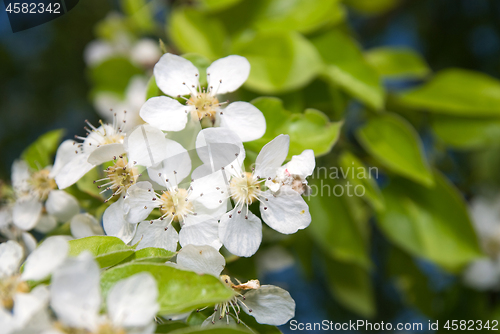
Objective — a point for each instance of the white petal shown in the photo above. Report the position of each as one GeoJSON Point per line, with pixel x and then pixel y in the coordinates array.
{"type": "Point", "coordinates": [483, 274]}
{"type": "Point", "coordinates": [200, 230]}
{"type": "Point", "coordinates": [133, 301]}
{"type": "Point", "coordinates": [7, 321]}
{"type": "Point", "coordinates": [20, 175]}
{"type": "Point", "coordinates": [145, 52]}
{"type": "Point", "coordinates": [286, 212]}
{"type": "Point", "coordinates": [209, 192]}
{"type": "Point", "coordinates": [146, 145]}
{"type": "Point", "coordinates": [175, 75]}
{"type": "Point", "coordinates": [228, 74]}
{"type": "Point", "coordinates": [85, 225]}
{"type": "Point", "coordinates": [26, 305]}
{"type": "Point", "coordinates": [218, 148]}
{"type": "Point", "coordinates": [46, 258]}
{"type": "Point", "coordinates": [240, 236]}
{"type": "Point", "coordinates": [140, 202]}
{"type": "Point", "coordinates": [201, 259]}
{"type": "Point", "coordinates": [62, 205]}
{"type": "Point", "coordinates": [105, 153]}
{"type": "Point", "coordinates": [155, 235]}
{"type": "Point", "coordinates": [27, 212]}
{"type": "Point", "coordinates": [97, 51]}
{"type": "Point", "coordinates": [46, 223]}
{"type": "Point", "coordinates": [75, 292]}
{"type": "Point", "coordinates": [115, 224]}
{"type": "Point", "coordinates": [174, 168]}
{"type": "Point", "coordinates": [270, 305]}
{"type": "Point", "coordinates": [272, 156]}
{"type": "Point", "coordinates": [73, 171]}
{"type": "Point", "coordinates": [11, 254]}
{"type": "Point", "coordinates": [301, 165]}
{"type": "Point", "coordinates": [245, 120]}
{"type": "Point", "coordinates": [165, 113]}
{"type": "Point", "coordinates": [65, 153]}
{"type": "Point", "coordinates": [29, 241]}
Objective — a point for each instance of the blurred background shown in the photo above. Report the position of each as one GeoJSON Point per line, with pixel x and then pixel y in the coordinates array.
{"type": "Point", "coordinates": [414, 83]}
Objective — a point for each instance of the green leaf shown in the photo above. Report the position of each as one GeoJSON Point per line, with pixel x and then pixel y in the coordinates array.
{"type": "Point", "coordinates": [255, 326]}
{"type": "Point", "coordinates": [152, 89]}
{"type": "Point", "coordinates": [456, 92]}
{"type": "Point", "coordinates": [151, 254]}
{"type": "Point", "coordinates": [215, 5]}
{"type": "Point", "coordinates": [430, 223]}
{"type": "Point", "coordinates": [467, 133]}
{"type": "Point", "coordinates": [310, 130]}
{"type": "Point", "coordinates": [107, 250]}
{"type": "Point", "coordinates": [359, 175]}
{"type": "Point", "coordinates": [113, 75]}
{"type": "Point", "coordinates": [39, 154]}
{"type": "Point", "coordinates": [352, 287]}
{"type": "Point", "coordinates": [334, 227]}
{"type": "Point", "coordinates": [87, 185]}
{"type": "Point", "coordinates": [299, 15]}
{"type": "Point", "coordinates": [346, 67]}
{"type": "Point", "coordinates": [280, 62]}
{"type": "Point", "coordinates": [397, 62]}
{"type": "Point", "coordinates": [193, 31]}
{"type": "Point", "coordinates": [179, 291]}
{"type": "Point", "coordinates": [395, 144]}
{"type": "Point", "coordinates": [170, 326]}
{"type": "Point", "coordinates": [372, 7]}
{"type": "Point", "coordinates": [139, 14]}
{"type": "Point", "coordinates": [224, 329]}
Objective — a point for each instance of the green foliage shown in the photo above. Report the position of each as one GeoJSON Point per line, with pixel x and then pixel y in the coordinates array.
{"type": "Point", "coordinates": [152, 90]}
{"type": "Point", "coordinates": [395, 144]}
{"type": "Point", "coordinates": [281, 61]}
{"type": "Point", "coordinates": [310, 130]}
{"type": "Point", "coordinates": [346, 67]}
{"type": "Point", "coordinates": [215, 5]}
{"type": "Point", "coordinates": [113, 75]}
{"type": "Point", "coordinates": [467, 133]}
{"type": "Point", "coordinates": [151, 254]}
{"type": "Point", "coordinates": [179, 291]}
{"type": "Point", "coordinates": [193, 31]}
{"type": "Point", "coordinates": [107, 250]}
{"type": "Point", "coordinates": [397, 62]}
{"type": "Point", "coordinates": [456, 92]}
{"type": "Point", "coordinates": [432, 223]}
{"type": "Point", "coordinates": [372, 7]}
{"type": "Point", "coordinates": [39, 154]}
{"type": "Point", "coordinates": [358, 174]}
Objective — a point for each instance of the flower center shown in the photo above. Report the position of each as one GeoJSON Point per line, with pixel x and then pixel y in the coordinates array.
{"type": "Point", "coordinates": [176, 203]}
{"type": "Point", "coordinates": [42, 183]}
{"type": "Point", "coordinates": [108, 328]}
{"type": "Point", "coordinates": [244, 189]}
{"type": "Point", "coordinates": [8, 288]}
{"type": "Point", "coordinates": [120, 177]}
{"type": "Point", "coordinates": [206, 106]}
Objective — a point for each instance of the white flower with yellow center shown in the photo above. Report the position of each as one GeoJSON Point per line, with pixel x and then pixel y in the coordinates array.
{"type": "Point", "coordinates": [281, 205]}
{"type": "Point", "coordinates": [20, 307]}
{"type": "Point", "coordinates": [268, 304]}
{"type": "Point", "coordinates": [178, 77]}
{"type": "Point", "coordinates": [76, 300]}
{"type": "Point", "coordinates": [39, 204]}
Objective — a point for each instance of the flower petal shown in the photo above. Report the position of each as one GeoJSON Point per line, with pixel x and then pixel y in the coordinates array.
{"type": "Point", "coordinates": [62, 205]}
{"type": "Point", "coordinates": [115, 224]}
{"type": "Point", "coordinates": [146, 145]}
{"type": "Point", "coordinates": [65, 153]}
{"type": "Point", "coordinates": [11, 254]}
{"type": "Point", "coordinates": [46, 223]}
{"type": "Point", "coordinates": [285, 212]}
{"type": "Point", "coordinates": [155, 235]}
{"type": "Point", "coordinates": [272, 156]}
{"type": "Point", "coordinates": [133, 301]}
{"type": "Point", "coordinates": [26, 305]}
{"type": "Point", "coordinates": [73, 171]}
{"type": "Point", "coordinates": [241, 236]}
{"type": "Point", "coordinates": [85, 225]}
{"type": "Point", "coordinates": [46, 258]}
{"type": "Point", "coordinates": [165, 113]}
{"type": "Point", "coordinates": [482, 274]}
{"type": "Point", "coordinates": [140, 202]}
{"type": "Point", "coordinates": [75, 292]}
{"type": "Point", "coordinates": [27, 212]}
{"type": "Point", "coordinates": [301, 165]}
{"type": "Point", "coordinates": [209, 192]}
{"type": "Point", "coordinates": [20, 176]}
{"type": "Point", "coordinates": [227, 74]}
{"type": "Point", "coordinates": [270, 305]}
{"type": "Point", "coordinates": [245, 120]}
{"type": "Point", "coordinates": [200, 230]}
{"type": "Point", "coordinates": [175, 75]}
{"type": "Point", "coordinates": [175, 168]}
{"type": "Point", "coordinates": [105, 153]}
{"type": "Point", "coordinates": [201, 259]}
{"type": "Point", "coordinates": [29, 241]}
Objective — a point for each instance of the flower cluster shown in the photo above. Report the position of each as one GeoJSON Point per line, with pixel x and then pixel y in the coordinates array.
{"type": "Point", "coordinates": [176, 177]}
